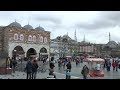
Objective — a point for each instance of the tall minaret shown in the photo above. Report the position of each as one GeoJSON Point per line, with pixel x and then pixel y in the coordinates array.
{"type": "Point", "coordinates": [109, 37]}
{"type": "Point", "coordinates": [67, 33]}
{"type": "Point", "coordinates": [75, 36]}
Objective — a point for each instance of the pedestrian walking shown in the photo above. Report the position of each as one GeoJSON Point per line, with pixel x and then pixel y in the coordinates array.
{"type": "Point", "coordinates": [34, 69]}
{"type": "Point", "coordinates": [85, 72]}
{"type": "Point", "coordinates": [28, 69]}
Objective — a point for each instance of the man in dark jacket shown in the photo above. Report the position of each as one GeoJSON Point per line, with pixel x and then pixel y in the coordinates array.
{"type": "Point", "coordinates": [69, 66]}
{"type": "Point", "coordinates": [34, 69]}
{"type": "Point", "coordinates": [85, 72]}
{"type": "Point", "coordinates": [14, 63]}
{"type": "Point", "coordinates": [52, 64]}
{"type": "Point", "coordinates": [28, 69]}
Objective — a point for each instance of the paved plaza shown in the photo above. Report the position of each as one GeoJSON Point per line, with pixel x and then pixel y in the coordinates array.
{"type": "Point", "coordinates": [60, 74]}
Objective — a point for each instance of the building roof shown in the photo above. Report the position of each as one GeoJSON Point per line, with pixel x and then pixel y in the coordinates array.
{"type": "Point", "coordinates": [112, 44]}
{"type": "Point", "coordinates": [40, 28]}
{"type": "Point", "coordinates": [15, 24]}
{"type": "Point", "coordinates": [28, 26]}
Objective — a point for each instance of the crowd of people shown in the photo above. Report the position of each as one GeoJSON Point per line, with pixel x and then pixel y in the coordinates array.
{"type": "Point", "coordinates": [31, 69]}
{"type": "Point", "coordinates": [63, 64]}
{"type": "Point", "coordinates": [115, 64]}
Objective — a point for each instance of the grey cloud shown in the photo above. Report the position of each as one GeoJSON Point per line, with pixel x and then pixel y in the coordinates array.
{"type": "Point", "coordinates": [105, 19]}
{"type": "Point", "coordinates": [48, 18]}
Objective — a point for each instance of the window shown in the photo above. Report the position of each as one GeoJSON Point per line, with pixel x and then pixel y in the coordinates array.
{"type": "Point", "coordinates": [21, 37]}
{"type": "Point", "coordinates": [29, 38]}
{"type": "Point", "coordinates": [15, 36]}
{"type": "Point", "coordinates": [45, 40]}
{"type": "Point", "coordinates": [41, 39]}
{"type": "Point", "coordinates": [34, 38]}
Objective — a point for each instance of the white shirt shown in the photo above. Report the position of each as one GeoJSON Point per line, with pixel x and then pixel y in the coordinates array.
{"type": "Point", "coordinates": [98, 66]}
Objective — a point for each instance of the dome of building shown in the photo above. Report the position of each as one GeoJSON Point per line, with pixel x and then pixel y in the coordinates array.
{"type": "Point", "coordinates": [28, 26]}
{"type": "Point", "coordinates": [15, 24]}
{"type": "Point", "coordinates": [40, 28]}
{"type": "Point", "coordinates": [112, 44]}
{"type": "Point", "coordinates": [67, 37]}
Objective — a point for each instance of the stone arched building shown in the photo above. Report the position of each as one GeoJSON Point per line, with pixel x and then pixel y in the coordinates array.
{"type": "Point", "coordinates": [16, 40]}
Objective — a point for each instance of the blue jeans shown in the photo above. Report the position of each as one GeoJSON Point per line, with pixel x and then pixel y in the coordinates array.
{"type": "Point", "coordinates": [84, 77]}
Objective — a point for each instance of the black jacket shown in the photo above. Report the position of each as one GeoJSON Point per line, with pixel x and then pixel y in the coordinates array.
{"type": "Point", "coordinates": [69, 66]}
{"type": "Point", "coordinates": [52, 65]}
{"type": "Point", "coordinates": [35, 66]}
{"type": "Point", "coordinates": [29, 67]}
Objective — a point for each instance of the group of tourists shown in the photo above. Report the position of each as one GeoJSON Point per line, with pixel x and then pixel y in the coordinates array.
{"type": "Point", "coordinates": [115, 64]}
{"type": "Point", "coordinates": [31, 69]}
{"type": "Point", "coordinates": [66, 63]}
{"type": "Point", "coordinates": [11, 63]}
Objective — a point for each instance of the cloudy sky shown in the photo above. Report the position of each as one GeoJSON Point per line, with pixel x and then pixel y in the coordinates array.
{"type": "Point", "coordinates": [95, 25]}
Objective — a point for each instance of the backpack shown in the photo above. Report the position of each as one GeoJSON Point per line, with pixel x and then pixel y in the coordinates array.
{"type": "Point", "coordinates": [82, 72]}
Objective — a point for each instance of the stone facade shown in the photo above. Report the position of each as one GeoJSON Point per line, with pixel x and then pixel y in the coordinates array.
{"type": "Point", "coordinates": [86, 47]}
{"type": "Point", "coordinates": [64, 46]}
{"type": "Point", "coordinates": [13, 36]}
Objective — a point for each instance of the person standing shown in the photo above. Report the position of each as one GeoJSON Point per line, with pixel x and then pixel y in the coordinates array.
{"type": "Point", "coordinates": [108, 65]}
{"type": "Point", "coordinates": [98, 67]}
{"type": "Point", "coordinates": [69, 66]}
{"type": "Point", "coordinates": [14, 64]}
{"type": "Point", "coordinates": [68, 76]}
{"type": "Point", "coordinates": [85, 72]}
{"type": "Point", "coordinates": [116, 65]}
{"type": "Point", "coordinates": [34, 69]}
{"type": "Point", "coordinates": [59, 64]}
{"type": "Point", "coordinates": [28, 69]}
{"type": "Point", "coordinates": [113, 65]}
{"type": "Point", "coordinates": [51, 70]}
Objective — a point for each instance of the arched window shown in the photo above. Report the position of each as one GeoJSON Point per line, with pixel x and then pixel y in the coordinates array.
{"type": "Point", "coordinates": [41, 39]}
{"type": "Point", "coordinates": [34, 38]}
{"type": "Point", "coordinates": [45, 40]}
{"type": "Point", "coordinates": [29, 38]}
{"type": "Point", "coordinates": [15, 36]}
{"type": "Point", "coordinates": [21, 37]}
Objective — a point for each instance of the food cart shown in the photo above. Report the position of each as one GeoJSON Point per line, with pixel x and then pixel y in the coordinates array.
{"type": "Point", "coordinates": [93, 64]}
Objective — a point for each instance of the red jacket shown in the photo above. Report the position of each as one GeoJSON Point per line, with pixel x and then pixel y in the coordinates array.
{"type": "Point", "coordinates": [114, 64]}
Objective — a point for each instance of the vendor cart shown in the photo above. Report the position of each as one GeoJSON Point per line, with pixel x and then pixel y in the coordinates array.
{"type": "Point", "coordinates": [95, 67]}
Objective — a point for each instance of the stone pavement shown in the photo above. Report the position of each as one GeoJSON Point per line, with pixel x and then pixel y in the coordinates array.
{"type": "Point", "coordinates": [60, 74]}
{"type": "Point", "coordinates": [22, 75]}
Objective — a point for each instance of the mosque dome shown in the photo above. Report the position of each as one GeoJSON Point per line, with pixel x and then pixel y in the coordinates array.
{"type": "Point", "coordinates": [28, 26]}
{"type": "Point", "coordinates": [40, 28]}
{"type": "Point", "coordinates": [112, 44]}
{"type": "Point", "coordinates": [15, 24]}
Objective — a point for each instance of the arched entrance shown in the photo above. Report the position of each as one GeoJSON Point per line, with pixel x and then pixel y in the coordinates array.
{"type": "Point", "coordinates": [31, 52]}
{"type": "Point", "coordinates": [18, 52]}
{"type": "Point", "coordinates": [43, 54]}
